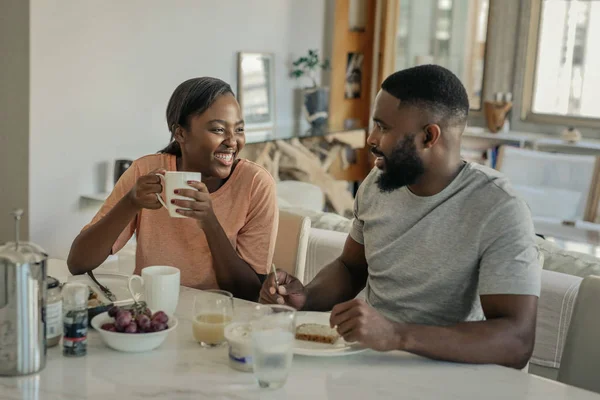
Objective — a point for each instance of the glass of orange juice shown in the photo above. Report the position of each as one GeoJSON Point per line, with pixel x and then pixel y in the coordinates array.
{"type": "Point", "coordinates": [213, 310]}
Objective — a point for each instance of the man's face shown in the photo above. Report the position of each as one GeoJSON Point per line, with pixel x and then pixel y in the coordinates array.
{"type": "Point", "coordinates": [394, 140]}
{"type": "Point", "coordinates": [402, 167]}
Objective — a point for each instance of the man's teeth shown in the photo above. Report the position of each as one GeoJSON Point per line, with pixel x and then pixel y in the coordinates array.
{"type": "Point", "coordinates": [224, 156]}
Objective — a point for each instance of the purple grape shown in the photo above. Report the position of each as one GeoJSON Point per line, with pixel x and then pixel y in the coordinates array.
{"type": "Point", "coordinates": [123, 320]}
{"type": "Point", "coordinates": [109, 327]}
{"type": "Point", "coordinates": [113, 311]}
{"type": "Point", "coordinates": [158, 326]}
{"type": "Point", "coordinates": [131, 328]}
{"type": "Point", "coordinates": [161, 317]}
{"type": "Point", "coordinates": [148, 312]}
{"type": "Point", "coordinates": [143, 322]}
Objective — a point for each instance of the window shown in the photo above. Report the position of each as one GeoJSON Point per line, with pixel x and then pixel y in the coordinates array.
{"type": "Point", "coordinates": [450, 33]}
{"type": "Point", "coordinates": [564, 70]}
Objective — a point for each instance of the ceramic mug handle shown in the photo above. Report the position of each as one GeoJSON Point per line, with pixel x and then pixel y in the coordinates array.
{"type": "Point", "coordinates": [130, 281]}
{"type": "Point", "coordinates": [158, 196]}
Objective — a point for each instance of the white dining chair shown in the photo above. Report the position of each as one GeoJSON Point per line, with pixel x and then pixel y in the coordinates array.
{"type": "Point", "coordinates": [580, 361]}
{"type": "Point", "coordinates": [301, 194]}
{"type": "Point", "coordinates": [292, 243]}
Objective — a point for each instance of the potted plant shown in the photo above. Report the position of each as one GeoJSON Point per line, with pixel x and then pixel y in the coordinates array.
{"type": "Point", "coordinates": [315, 98]}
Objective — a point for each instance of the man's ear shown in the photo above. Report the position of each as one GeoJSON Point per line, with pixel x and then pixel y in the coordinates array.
{"type": "Point", "coordinates": [432, 134]}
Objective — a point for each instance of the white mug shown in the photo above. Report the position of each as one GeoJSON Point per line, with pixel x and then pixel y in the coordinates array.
{"type": "Point", "coordinates": [172, 180]}
{"type": "Point", "coordinates": [160, 287]}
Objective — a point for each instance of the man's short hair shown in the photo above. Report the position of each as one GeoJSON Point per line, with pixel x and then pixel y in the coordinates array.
{"type": "Point", "coordinates": [433, 88]}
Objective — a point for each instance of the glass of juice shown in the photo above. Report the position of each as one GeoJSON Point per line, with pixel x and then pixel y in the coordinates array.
{"type": "Point", "coordinates": [213, 310]}
{"type": "Point", "coordinates": [273, 333]}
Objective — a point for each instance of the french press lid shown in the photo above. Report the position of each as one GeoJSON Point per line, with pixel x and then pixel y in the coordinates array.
{"type": "Point", "coordinates": [19, 253]}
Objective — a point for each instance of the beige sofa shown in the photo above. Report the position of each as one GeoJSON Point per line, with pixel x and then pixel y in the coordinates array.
{"type": "Point", "coordinates": [559, 289]}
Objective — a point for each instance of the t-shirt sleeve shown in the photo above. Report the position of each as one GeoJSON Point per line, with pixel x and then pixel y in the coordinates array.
{"type": "Point", "coordinates": [122, 187]}
{"type": "Point", "coordinates": [509, 262]}
{"type": "Point", "coordinates": [256, 239]}
{"type": "Point", "coordinates": [356, 232]}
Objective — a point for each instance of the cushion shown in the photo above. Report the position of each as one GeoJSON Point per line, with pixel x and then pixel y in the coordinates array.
{"type": "Point", "coordinates": [568, 262]}
{"type": "Point", "coordinates": [319, 219]}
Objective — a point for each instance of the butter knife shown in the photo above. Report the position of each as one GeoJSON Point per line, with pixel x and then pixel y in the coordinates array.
{"type": "Point", "coordinates": [109, 295]}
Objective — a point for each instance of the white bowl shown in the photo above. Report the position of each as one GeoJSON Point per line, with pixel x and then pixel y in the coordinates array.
{"type": "Point", "coordinates": [131, 342]}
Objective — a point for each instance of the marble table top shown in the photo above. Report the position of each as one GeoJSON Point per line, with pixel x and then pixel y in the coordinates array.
{"type": "Point", "coordinates": [181, 369]}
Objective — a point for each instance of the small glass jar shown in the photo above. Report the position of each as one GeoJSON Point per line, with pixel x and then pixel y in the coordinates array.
{"type": "Point", "coordinates": [54, 317]}
{"type": "Point", "coordinates": [75, 319]}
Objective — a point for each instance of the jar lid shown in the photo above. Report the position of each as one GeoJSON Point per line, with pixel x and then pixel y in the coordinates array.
{"type": "Point", "coordinates": [75, 295]}
{"type": "Point", "coordinates": [23, 252]}
{"type": "Point", "coordinates": [52, 282]}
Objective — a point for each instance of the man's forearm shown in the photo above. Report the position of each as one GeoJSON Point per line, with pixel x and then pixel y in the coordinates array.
{"type": "Point", "coordinates": [495, 341]}
{"type": "Point", "coordinates": [334, 284]}
{"type": "Point", "coordinates": [233, 274]}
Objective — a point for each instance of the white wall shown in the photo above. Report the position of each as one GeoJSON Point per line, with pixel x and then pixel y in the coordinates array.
{"type": "Point", "coordinates": [102, 73]}
{"type": "Point", "coordinates": [14, 114]}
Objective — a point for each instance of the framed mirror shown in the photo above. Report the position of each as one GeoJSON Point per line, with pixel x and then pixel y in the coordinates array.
{"type": "Point", "coordinates": [256, 89]}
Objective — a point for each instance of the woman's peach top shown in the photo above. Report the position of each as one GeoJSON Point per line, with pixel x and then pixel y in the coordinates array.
{"type": "Point", "coordinates": [246, 207]}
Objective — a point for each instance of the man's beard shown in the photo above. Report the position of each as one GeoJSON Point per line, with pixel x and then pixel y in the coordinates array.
{"type": "Point", "coordinates": [402, 168]}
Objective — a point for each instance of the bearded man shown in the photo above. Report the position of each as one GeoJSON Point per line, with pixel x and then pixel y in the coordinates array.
{"type": "Point", "coordinates": [445, 248]}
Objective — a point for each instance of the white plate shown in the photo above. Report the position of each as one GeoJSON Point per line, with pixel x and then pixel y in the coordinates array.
{"type": "Point", "coordinates": [116, 283]}
{"type": "Point", "coordinates": [306, 348]}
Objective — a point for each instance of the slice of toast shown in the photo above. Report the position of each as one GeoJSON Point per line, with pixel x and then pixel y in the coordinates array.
{"type": "Point", "coordinates": [317, 333]}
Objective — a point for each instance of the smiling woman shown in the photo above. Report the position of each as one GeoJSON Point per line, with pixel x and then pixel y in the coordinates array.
{"type": "Point", "coordinates": [228, 239]}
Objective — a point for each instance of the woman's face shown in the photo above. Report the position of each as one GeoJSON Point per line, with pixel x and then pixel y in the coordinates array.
{"type": "Point", "coordinates": [214, 138]}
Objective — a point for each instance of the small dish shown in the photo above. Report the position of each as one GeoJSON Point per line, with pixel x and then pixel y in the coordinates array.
{"type": "Point", "coordinates": [131, 342]}
{"type": "Point", "coordinates": [239, 341]}
{"type": "Point", "coordinates": [117, 283]}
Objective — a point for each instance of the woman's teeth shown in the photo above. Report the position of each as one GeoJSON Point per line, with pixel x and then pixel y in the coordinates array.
{"type": "Point", "coordinates": [224, 156]}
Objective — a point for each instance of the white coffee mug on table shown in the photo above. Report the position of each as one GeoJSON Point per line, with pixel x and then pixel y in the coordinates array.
{"type": "Point", "coordinates": [172, 180]}
{"type": "Point", "coordinates": [160, 287]}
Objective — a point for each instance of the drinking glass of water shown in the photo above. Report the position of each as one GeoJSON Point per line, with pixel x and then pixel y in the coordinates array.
{"type": "Point", "coordinates": [213, 310]}
{"type": "Point", "coordinates": [273, 334]}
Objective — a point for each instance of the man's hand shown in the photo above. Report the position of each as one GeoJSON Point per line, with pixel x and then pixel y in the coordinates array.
{"type": "Point", "coordinates": [289, 292]}
{"type": "Point", "coordinates": [357, 321]}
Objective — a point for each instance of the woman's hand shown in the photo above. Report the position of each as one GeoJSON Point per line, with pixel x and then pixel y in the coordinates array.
{"type": "Point", "coordinates": [143, 193]}
{"type": "Point", "coordinates": [200, 205]}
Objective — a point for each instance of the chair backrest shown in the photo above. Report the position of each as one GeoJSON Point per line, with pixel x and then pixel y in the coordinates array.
{"type": "Point", "coordinates": [581, 356]}
{"type": "Point", "coordinates": [554, 185]}
{"type": "Point", "coordinates": [292, 244]}
{"type": "Point", "coordinates": [301, 194]}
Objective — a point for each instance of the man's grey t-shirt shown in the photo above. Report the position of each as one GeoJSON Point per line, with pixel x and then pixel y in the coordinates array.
{"type": "Point", "coordinates": [431, 257]}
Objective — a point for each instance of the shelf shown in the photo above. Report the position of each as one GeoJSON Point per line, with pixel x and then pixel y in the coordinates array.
{"type": "Point", "coordinates": [290, 132]}
{"type": "Point", "coordinates": [536, 141]}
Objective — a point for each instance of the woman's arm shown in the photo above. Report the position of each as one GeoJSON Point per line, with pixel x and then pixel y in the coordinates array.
{"type": "Point", "coordinates": [233, 274]}
{"type": "Point", "coordinates": [92, 246]}
{"type": "Point", "coordinates": [237, 269]}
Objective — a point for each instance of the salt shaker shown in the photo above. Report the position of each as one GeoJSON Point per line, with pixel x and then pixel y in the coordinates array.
{"type": "Point", "coordinates": [75, 321]}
